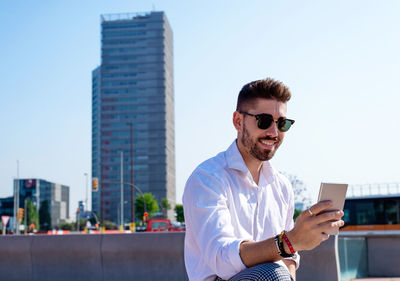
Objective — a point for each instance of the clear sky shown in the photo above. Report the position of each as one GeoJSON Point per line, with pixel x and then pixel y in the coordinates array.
{"type": "Point", "coordinates": [339, 58]}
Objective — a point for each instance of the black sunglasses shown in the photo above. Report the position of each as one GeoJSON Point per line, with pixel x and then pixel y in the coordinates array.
{"type": "Point", "coordinates": [264, 121]}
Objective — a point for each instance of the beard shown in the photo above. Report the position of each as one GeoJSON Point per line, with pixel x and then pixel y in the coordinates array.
{"type": "Point", "coordinates": [252, 146]}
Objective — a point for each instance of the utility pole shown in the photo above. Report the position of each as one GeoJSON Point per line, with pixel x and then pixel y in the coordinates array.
{"type": "Point", "coordinates": [86, 200]}
{"type": "Point", "coordinates": [16, 201]}
{"type": "Point", "coordinates": [122, 190]}
{"type": "Point", "coordinates": [26, 217]}
{"type": "Point", "coordinates": [132, 190]}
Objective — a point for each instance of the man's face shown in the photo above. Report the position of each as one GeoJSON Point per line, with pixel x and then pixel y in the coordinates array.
{"type": "Point", "coordinates": [257, 143]}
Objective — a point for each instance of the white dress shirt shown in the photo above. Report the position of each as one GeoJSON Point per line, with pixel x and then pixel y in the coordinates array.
{"type": "Point", "coordinates": [223, 206]}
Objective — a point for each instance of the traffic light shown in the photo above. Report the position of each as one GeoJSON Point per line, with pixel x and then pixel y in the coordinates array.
{"type": "Point", "coordinates": [20, 214]}
{"type": "Point", "coordinates": [145, 215]}
{"type": "Point", "coordinates": [95, 184]}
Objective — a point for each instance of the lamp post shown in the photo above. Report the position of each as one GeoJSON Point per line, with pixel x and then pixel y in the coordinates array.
{"type": "Point", "coordinates": [122, 190]}
{"type": "Point", "coordinates": [86, 200]}
{"type": "Point", "coordinates": [133, 187]}
{"type": "Point", "coordinates": [16, 200]}
{"type": "Point", "coordinates": [132, 190]}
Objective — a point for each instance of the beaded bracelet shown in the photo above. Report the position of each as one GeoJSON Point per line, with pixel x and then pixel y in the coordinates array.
{"type": "Point", "coordinates": [282, 252]}
{"type": "Point", "coordinates": [284, 236]}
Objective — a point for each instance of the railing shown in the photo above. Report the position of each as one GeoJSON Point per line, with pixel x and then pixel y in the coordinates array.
{"type": "Point", "coordinates": [366, 190]}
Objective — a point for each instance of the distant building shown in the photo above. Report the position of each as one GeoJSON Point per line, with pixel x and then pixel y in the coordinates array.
{"type": "Point", "coordinates": [38, 191]}
{"type": "Point", "coordinates": [133, 107]}
{"type": "Point", "coordinates": [7, 209]}
{"type": "Point", "coordinates": [7, 206]}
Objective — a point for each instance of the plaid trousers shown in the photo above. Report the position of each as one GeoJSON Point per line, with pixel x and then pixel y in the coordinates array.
{"type": "Point", "coordinates": [262, 272]}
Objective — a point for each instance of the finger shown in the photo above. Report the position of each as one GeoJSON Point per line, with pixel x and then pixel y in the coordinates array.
{"type": "Point", "coordinates": [325, 227]}
{"type": "Point", "coordinates": [321, 206]}
{"type": "Point", "coordinates": [328, 216]}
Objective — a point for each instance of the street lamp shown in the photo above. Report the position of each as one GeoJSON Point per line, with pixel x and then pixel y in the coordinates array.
{"type": "Point", "coordinates": [86, 200]}
{"type": "Point", "coordinates": [133, 187]}
{"type": "Point", "coordinates": [122, 190]}
{"type": "Point", "coordinates": [132, 190]}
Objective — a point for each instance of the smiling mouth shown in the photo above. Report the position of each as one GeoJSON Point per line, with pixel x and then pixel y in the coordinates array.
{"type": "Point", "coordinates": [268, 142]}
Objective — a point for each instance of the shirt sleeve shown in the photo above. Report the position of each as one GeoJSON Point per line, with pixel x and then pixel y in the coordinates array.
{"type": "Point", "coordinates": [209, 226]}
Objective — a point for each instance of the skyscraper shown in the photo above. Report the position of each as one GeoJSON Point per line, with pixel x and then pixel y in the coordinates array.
{"type": "Point", "coordinates": [133, 112]}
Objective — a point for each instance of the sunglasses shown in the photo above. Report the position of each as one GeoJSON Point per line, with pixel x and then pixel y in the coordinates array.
{"type": "Point", "coordinates": [264, 121]}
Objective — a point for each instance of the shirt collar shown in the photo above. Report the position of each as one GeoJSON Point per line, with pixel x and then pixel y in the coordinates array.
{"type": "Point", "coordinates": [235, 161]}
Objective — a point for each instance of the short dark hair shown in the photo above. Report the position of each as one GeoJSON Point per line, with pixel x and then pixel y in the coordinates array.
{"type": "Point", "coordinates": [264, 89]}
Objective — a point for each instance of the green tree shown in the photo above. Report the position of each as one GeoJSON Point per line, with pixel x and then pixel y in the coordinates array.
{"type": "Point", "coordinates": [179, 213]}
{"type": "Point", "coordinates": [32, 215]}
{"type": "Point", "coordinates": [151, 205]}
{"type": "Point", "coordinates": [165, 206]}
{"type": "Point", "coordinates": [296, 214]}
{"type": "Point", "coordinates": [44, 216]}
{"type": "Point", "coordinates": [67, 226]}
{"type": "Point", "coordinates": [109, 225]}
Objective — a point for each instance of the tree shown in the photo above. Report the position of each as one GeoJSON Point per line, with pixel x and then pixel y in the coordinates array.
{"type": "Point", "coordinates": [109, 225]}
{"type": "Point", "coordinates": [165, 206]}
{"type": "Point", "coordinates": [296, 214]}
{"type": "Point", "coordinates": [179, 213]}
{"type": "Point", "coordinates": [67, 226]}
{"type": "Point", "coordinates": [32, 215]}
{"type": "Point", "coordinates": [151, 205]}
{"type": "Point", "coordinates": [44, 216]}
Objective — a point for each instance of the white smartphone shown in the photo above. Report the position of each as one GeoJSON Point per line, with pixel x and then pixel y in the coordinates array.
{"type": "Point", "coordinates": [336, 193]}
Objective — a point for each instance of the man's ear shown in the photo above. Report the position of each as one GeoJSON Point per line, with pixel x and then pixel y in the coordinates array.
{"type": "Point", "coordinates": [237, 120]}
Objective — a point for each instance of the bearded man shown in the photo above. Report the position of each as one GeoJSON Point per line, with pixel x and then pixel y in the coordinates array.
{"type": "Point", "coordinates": [239, 209]}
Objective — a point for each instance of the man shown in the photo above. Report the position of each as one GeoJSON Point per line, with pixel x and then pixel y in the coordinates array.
{"type": "Point", "coordinates": [239, 209]}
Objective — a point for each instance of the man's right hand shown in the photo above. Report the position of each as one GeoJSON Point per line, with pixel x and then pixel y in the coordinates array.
{"type": "Point", "coordinates": [309, 229]}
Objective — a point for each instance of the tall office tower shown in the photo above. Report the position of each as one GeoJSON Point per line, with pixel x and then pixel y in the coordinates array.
{"type": "Point", "coordinates": [133, 113]}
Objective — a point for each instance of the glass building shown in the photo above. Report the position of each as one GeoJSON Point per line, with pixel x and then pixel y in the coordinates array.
{"type": "Point", "coordinates": [133, 113]}
{"type": "Point", "coordinates": [38, 191]}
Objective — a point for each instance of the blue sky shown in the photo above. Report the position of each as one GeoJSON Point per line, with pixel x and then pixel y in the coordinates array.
{"type": "Point", "coordinates": [340, 59]}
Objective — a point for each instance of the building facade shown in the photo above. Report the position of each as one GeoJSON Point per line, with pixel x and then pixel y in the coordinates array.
{"type": "Point", "coordinates": [133, 113]}
{"type": "Point", "coordinates": [38, 191]}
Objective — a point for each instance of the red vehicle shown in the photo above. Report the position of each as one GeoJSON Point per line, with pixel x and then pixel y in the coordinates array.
{"type": "Point", "coordinates": [159, 224]}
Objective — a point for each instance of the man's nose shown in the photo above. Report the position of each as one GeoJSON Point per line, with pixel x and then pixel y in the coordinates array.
{"type": "Point", "coordinates": [273, 129]}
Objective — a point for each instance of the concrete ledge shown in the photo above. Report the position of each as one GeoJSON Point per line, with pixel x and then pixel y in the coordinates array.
{"type": "Point", "coordinates": [15, 258]}
{"type": "Point", "coordinates": [66, 257]}
{"type": "Point", "coordinates": [386, 261]}
{"type": "Point", "coordinates": [144, 256]}
{"type": "Point", "coordinates": [321, 263]}
{"type": "Point", "coordinates": [120, 257]}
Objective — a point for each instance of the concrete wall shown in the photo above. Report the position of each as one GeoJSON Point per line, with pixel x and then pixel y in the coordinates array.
{"type": "Point", "coordinates": [157, 256]}
{"type": "Point", "coordinates": [381, 247]}
{"type": "Point", "coordinates": [321, 263]}
{"type": "Point", "coordinates": [119, 257]}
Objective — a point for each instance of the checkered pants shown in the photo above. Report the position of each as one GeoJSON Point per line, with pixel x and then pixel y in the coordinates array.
{"type": "Point", "coordinates": [262, 272]}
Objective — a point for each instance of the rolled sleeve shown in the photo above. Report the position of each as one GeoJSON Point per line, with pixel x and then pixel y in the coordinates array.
{"type": "Point", "coordinates": [211, 246]}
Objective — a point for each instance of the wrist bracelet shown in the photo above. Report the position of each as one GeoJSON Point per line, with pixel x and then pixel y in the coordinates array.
{"type": "Point", "coordinates": [277, 244]}
{"type": "Point", "coordinates": [281, 247]}
{"type": "Point", "coordinates": [284, 236]}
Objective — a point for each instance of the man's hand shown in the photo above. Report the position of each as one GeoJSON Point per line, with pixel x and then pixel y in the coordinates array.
{"type": "Point", "coordinates": [309, 229]}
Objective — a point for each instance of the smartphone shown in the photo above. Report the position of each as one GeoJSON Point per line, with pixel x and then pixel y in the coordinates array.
{"type": "Point", "coordinates": [336, 193]}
